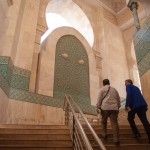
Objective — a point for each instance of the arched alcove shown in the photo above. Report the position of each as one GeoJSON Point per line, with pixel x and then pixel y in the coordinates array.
{"type": "Point", "coordinates": [69, 15]}
{"type": "Point", "coordinates": [47, 65]}
{"type": "Point", "coordinates": [71, 75]}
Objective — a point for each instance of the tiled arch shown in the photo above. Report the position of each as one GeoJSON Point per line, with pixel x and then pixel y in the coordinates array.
{"type": "Point", "coordinates": [47, 63]}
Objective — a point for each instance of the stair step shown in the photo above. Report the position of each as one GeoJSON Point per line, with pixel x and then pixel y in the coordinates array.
{"type": "Point", "coordinates": [57, 137]}
{"type": "Point", "coordinates": [35, 143]}
{"type": "Point", "coordinates": [128, 147]}
{"type": "Point", "coordinates": [121, 135]}
{"type": "Point", "coordinates": [35, 136]}
{"type": "Point", "coordinates": [36, 148]}
{"type": "Point", "coordinates": [110, 130]}
{"type": "Point", "coordinates": [127, 141]}
{"type": "Point", "coordinates": [15, 126]}
{"type": "Point", "coordinates": [34, 131]}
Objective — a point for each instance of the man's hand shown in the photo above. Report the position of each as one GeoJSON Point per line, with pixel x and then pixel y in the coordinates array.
{"type": "Point", "coordinates": [127, 109]}
{"type": "Point", "coordinates": [98, 111]}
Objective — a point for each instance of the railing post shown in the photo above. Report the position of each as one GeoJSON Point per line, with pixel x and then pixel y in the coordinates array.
{"type": "Point", "coordinates": [73, 133]}
{"type": "Point", "coordinates": [67, 115]}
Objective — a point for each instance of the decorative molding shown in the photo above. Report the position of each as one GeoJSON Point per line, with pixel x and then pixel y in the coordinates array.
{"type": "Point", "coordinates": [81, 62]}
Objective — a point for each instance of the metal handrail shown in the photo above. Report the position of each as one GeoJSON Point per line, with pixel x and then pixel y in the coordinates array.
{"type": "Point", "coordinates": [99, 142]}
{"type": "Point", "coordinates": [85, 139]}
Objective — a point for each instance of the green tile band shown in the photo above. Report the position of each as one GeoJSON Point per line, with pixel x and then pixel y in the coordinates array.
{"type": "Point", "coordinates": [142, 47]}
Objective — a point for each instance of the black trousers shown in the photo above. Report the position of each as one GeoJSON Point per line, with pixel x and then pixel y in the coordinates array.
{"type": "Point", "coordinates": [141, 112]}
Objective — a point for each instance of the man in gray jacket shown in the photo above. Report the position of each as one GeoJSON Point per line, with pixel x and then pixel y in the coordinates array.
{"type": "Point", "coordinates": [109, 104]}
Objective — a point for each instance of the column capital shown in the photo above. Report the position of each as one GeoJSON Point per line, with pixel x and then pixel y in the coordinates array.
{"type": "Point", "coordinates": [133, 4]}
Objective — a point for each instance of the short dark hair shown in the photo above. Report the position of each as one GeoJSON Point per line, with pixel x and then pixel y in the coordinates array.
{"type": "Point", "coordinates": [106, 82]}
{"type": "Point", "coordinates": [129, 81]}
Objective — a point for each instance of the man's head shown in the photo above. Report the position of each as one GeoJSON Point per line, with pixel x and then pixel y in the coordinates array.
{"type": "Point", "coordinates": [106, 82]}
{"type": "Point", "coordinates": [128, 81]}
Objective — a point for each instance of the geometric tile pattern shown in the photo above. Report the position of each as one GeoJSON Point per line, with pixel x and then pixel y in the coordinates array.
{"type": "Point", "coordinates": [4, 85]}
{"type": "Point", "coordinates": [20, 79]}
{"type": "Point", "coordinates": [142, 47]}
{"type": "Point", "coordinates": [16, 77]}
{"type": "Point", "coordinates": [24, 95]}
{"type": "Point", "coordinates": [71, 77]}
{"type": "Point", "coordinates": [17, 92]}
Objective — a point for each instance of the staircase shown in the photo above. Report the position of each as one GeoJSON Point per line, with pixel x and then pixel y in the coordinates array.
{"type": "Point", "coordinates": [35, 137]}
{"type": "Point", "coordinates": [127, 142]}
{"type": "Point", "coordinates": [57, 137]}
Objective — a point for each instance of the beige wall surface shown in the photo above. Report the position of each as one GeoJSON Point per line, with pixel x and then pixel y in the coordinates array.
{"type": "Point", "coordinates": [114, 57]}
{"type": "Point", "coordinates": [3, 107]}
{"type": "Point", "coordinates": [146, 5]}
{"type": "Point", "coordinates": [8, 32]}
{"type": "Point", "coordinates": [145, 83]}
{"type": "Point", "coordinates": [3, 12]}
{"type": "Point", "coordinates": [25, 23]}
{"type": "Point", "coordinates": [18, 112]}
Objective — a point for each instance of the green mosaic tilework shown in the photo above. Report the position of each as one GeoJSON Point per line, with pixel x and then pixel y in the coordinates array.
{"type": "Point", "coordinates": [23, 95]}
{"type": "Point", "coordinates": [20, 79]}
{"type": "Point", "coordinates": [16, 77]}
{"type": "Point", "coordinates": [9, 74]}
{"type": "Point", "coordinates": [26, 96]}
{"type": "Point", "coordinates": [70, 76]}
{"type": "Point", "coordinates": [4, 85]}
{"type": "Point", "coordinates": [4, 59]}
{"type": "Point", "coordinates": [142, 31]}
{"type": "Point", "coordinates": [142, 47]}
{"type": "Point", "coordinates": [6, 68]}
{"type": "Point", "coordinates": [3, 70]}
{"type": "Point", "coordinates": [144, 64]}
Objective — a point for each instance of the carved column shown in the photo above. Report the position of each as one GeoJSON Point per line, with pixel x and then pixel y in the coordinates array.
{"type": "Point", "coordinates": [133, 5]}
{"type": "Point", "coordinates": [98, 66]}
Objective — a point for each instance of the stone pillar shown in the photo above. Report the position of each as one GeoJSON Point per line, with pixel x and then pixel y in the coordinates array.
{"type": "Point", "coordinates": [27, 35]}
{"type": "Point", "coordinates": [98, 59]}
{"type": "Point", "coordinates": [8, 25]}
{"type": "Point", "coordinates": [40, 30]}
{"type": "Point", "coordinates": [133, 5]}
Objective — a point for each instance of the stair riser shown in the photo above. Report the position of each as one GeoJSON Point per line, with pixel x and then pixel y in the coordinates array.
{"type": "Point", "coordinates": [36, 131]}
{"type": "Point", "coordinates": [143, 135]}
{"type": "Point", "coordinates": [35, 137]}
{"type": "Point", "coordinates": [33, 126]}
{"type": "Point", "coordinates": [43, 148]}
{"type": "Point", "coordinates": [110, 130]}
{"type": "Point", "coordinates": [14, 143]}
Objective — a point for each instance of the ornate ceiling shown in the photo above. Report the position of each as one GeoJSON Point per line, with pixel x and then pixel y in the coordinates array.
{"type": "Point", "coordinates": [115, 5]}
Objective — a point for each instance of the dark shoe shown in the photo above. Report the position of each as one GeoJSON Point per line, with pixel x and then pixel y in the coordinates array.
{"type": "Point", "coordinates": [137, 136]}
{"type": "Point", "coordinates": [104, 137]}
{"type": "Point", "coordinates": [117, 143]}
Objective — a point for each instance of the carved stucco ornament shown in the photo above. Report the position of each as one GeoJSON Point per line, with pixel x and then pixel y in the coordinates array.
{"type": "Point", "coordinates": [64, 55]}
{"type": "Point", "coordinates": [81, 62]}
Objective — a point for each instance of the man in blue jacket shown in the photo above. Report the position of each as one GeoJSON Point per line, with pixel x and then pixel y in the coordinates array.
{"type": "Point", "coordinates": [136, 104]}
